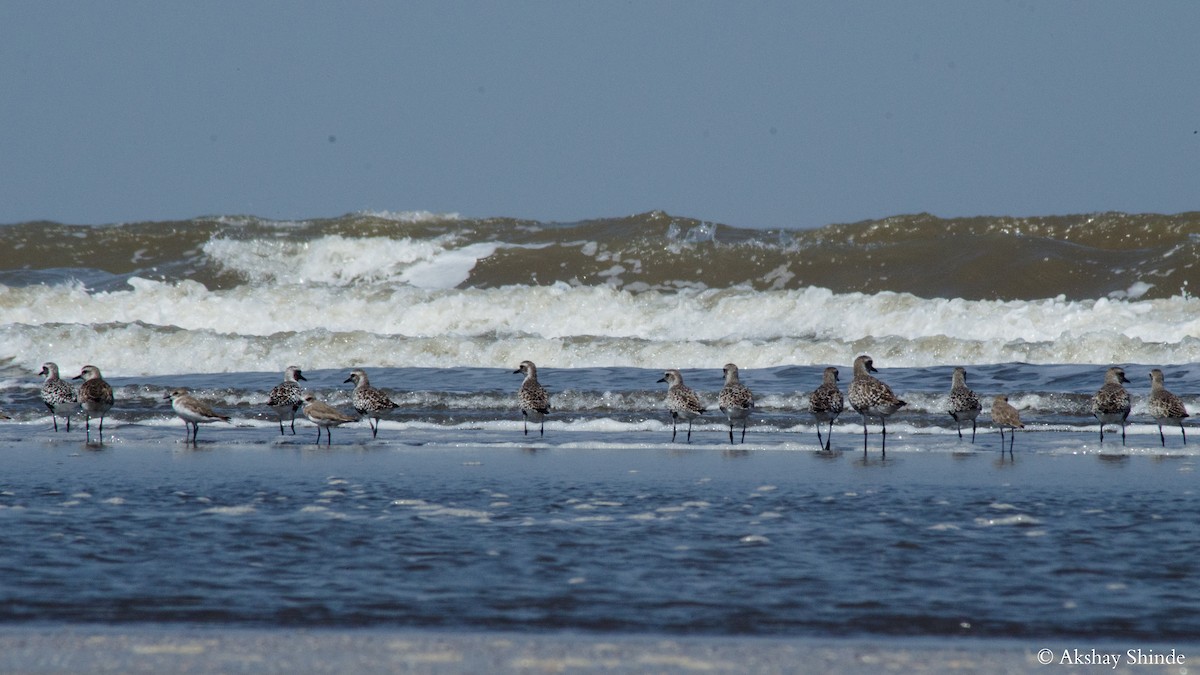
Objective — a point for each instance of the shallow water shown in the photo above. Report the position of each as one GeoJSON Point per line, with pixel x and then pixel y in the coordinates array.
{"type": "Point", "coordinates": [423, 530]}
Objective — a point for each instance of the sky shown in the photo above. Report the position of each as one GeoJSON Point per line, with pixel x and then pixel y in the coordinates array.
{"type": "Point", "coordinates": [755, 114]}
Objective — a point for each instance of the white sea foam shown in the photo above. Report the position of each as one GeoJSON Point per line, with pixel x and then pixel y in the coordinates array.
{"type": "Point", "coordinates": [340, 261]}
{"type": "Point", "coordinates": [230, 510]}
{"type": "Point", "coordinates": [153, 327]}
{"type": "Point", "coordinates": [333, 260]}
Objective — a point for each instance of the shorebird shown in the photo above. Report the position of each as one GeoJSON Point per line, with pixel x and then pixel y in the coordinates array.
{"type": "Point", "coordinates": [324, 415]}
{"type": "Point", "coordinates": [193, 412]}
{"type": "Point", "coordinates": [367, 400]}
{"type": "Point", "coordinates": [287, 397]}
{"type": "Point", "coordinates": [682, 402]}
{"type": "Point", "coordinates": [826, 403]}
{"type": "Point", "coordinates": [735, 400]}
{"type": "Point", "coordinates": [870, 397]}
{"type": "Point", "coordinates": [95, 397]}
{"type": "Point", "coordinates": [964, 404]}
{"type": "Point", "coordinates": [58, 396]}
{"type": "Point", "coordinates": [532, 398]}
{"type": "Point", "coordinates": [1165, 406]}
{"type": "Point", "coordinates": [1004, 415]}
{"type": "Point", "coordinates": [1111, 404]}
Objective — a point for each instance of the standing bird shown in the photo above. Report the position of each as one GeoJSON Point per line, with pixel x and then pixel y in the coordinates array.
{"type": "Point", "coordinates": [532, 397]}
{"type": "Point", "coordinates": [964, 404]}
{"type": "Point", "coordinates": [826, 404]}
{"type": "Point", "coordinates": [681, 401]}
{"type": "Point", "coordinates": [369, 401]}
{"type": "Point", "coordinates": [870, 397]}
{"type": "Point", "coordinates": [1111, 404]}
{"type": "Point", "coordinates": [1165, 406]}
{"type": "Point", "coordinates": [735, 400]}
{"type": "Point", "coordinates": [287, 397]}
{"type": "Point", "coordinates": [58, 396]}
{"type": "Point", "coordinates": [324, 415]}
{"type": "Point", "coordinates": [95, 397]}
{"type": "Point", "coordinates": [1004, 415]}
{"type": "Point", "coordinates": [193, 412]}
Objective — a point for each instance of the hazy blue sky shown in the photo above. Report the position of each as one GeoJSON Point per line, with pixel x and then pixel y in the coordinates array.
{"type": "Point", "coordinates": [759, 114]}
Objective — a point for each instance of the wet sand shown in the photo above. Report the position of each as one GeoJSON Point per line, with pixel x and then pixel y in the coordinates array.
{"type": "Point", "coordinates": [89, 649]}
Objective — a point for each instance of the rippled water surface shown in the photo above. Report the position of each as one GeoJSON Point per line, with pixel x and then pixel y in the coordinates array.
{"type": "Point", "coordinates": [709, 541]}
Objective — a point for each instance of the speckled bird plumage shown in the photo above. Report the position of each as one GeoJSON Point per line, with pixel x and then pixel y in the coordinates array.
{"type": "Point", "coordinates": [964, 404]}
{"type": "Point", "coordinates": [287, 397]}
{"type": "Point", "coordinates": [1111, 404]}
{"type": "Point", "coordinates": [826, 403]}
{"type": "Point", "coordinates": [870, 397]}
{"type": "Point", "coordinates": [532, 397]}
{"type": "Point", "coordinates": [1165, 407]}
{"type": "Point", "coordinates": [59, 396]}
{"type": "Point", "coordinates": [367, 400]}
{"type": "Point", "coordinates": [95, 397]}
{"type": "Point", "coordinates": [735, 400]}
{"type": "Point", "coordinates": [682, 402]}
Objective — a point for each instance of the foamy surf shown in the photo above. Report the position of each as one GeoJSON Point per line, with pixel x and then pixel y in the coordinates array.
{"type": "Point", "coordinates": [144, 330]}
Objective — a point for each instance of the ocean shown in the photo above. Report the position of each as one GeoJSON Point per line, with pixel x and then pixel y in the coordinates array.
{"type": "Point", "coordinates": [454, 518]}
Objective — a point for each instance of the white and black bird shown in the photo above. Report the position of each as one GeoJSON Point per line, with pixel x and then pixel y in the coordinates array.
{"type": "Point", "coordinates": [735, 400]}
{"type": "Point", "coordinates": [1111, 403]}
{"type": "Point", "coordinates": [193, 412]}
{"type": "Point", "coordinates": [870, 397]}
{"type": "Point", "coordinates": [95, 397]}
{"type": "Point", "coordinates": [1165, 406]}
{"type": "Point", "coordinates": [324, 416]}
{"type": "Point", "coordinates": [287, 397]}
{"type": "Point", "coordinates": [682, 402]}
{"type": "Point", "coordinates": [826, 403]}
{"type": "Point", "coordinates": [59, 396]}
{"type": "Point", "coordinates": [532, 398]}
{"type": "Point", "coordinates": [369, 401]}
{"type": "Point", "coordinates": [964, 404]}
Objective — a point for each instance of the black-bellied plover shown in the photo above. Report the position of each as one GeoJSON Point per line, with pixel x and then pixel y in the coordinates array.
{"type": "Point", "coordinates": [1111, 404]}
{"type": "Point", "coordinates": [1165, 406]}
{"type": "Point", "coordinates": [95, 397]}
{"type": "Point", "coordinates": [193, 412]}
{"type": "Point", "coordinates": [735, 400]}
{"type": "Point", "coordinates": [1004, 415]}
{"type": "Point", "coordinates": [324, 415]}
{"type": "Point", "coordinates": [870, 397]}
{"type": "Point", "coordinates": [964, 404]}
{"type": "Point", "coordinates": [826, 403]}
{"type": "Point", "coordinates": [287, 397]}
{"type": "Point", "coordinates": [532, 398]}
{"type": "Point", "coordinates": [682, 402]}
{"type": "Point", "coordinates": [58, 396]}
{"type": "Point", "coordinates": [369, 401]}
